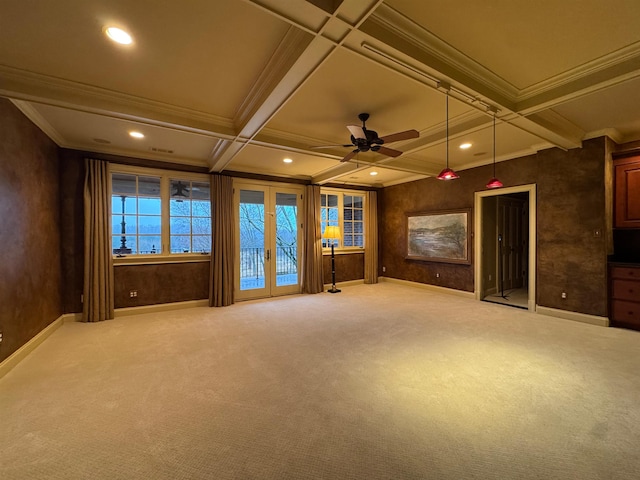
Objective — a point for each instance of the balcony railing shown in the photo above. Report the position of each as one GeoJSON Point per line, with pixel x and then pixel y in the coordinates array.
{"type": "Point", "coordinates": [252, 264]}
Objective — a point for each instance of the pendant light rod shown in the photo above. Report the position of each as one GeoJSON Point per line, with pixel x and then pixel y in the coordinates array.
{"type": "Point", "coordinates": [447, 173]}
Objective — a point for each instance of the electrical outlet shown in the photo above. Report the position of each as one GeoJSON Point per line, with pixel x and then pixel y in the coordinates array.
{"type": "Point", "coordinates": [384, 269]}
{"type": "Point", "coordinates": [437, 275]}
{"type": "Point", "coordinates": [0, 336]}
{"type": "Point", "coordinates": [133, 293]}
{"type": "Point", "coordinates": [564, 295]}
{"type": "Point", "coordinates": [489, 277]}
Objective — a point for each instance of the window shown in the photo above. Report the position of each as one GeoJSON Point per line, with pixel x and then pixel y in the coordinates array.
{"type": "Point", "coordinates": [190, 212]}
{"type": "Point", "coordinates": [155, 214]}
{"type": "Point", "coordinates": [346, 210]}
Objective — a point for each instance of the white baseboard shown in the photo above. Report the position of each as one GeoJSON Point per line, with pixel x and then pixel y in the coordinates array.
{"type": "Point", "coordinates": [162, 307]}
{"type": "Point", "coordinates": [575, 316]}
{"type": "Point", "coordinates": [426, 286]}
{"type": "Point", "coordinates": [20, 354]}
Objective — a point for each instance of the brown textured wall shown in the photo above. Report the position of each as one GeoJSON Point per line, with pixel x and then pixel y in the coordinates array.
{"type": "Point", "coordinates": [72, 228]}
{"type": "Point", "coordinates": [570, 207]}
{"type": "Point", "coordinates": [30, 271]}
{"type": "Point", "coordinates": [349, 266]}
{"type": "Point", "coordinates": [161, 283]}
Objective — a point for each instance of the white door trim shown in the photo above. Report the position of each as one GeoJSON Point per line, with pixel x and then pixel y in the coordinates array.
{"type": "Point", "coordinates": [477, 277]}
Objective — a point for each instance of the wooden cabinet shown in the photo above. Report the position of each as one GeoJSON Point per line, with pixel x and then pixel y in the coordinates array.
{"type": "Point", "coordinates": [627, 192]}
{"type": "Point", "coordinates": [624, 284]}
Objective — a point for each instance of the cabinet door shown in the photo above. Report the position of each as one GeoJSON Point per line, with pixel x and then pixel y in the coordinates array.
{"type": "Point", "coordinates": [627, 201]}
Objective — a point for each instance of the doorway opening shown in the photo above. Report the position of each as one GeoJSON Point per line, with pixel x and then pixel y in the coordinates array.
{"type": "Point", "coordinates": [268, 239]}
{"type": "Point", "coordinates": [505, 242]}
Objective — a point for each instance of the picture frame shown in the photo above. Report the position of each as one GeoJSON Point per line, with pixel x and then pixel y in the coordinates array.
{"type": "Point", "coordinates": [441, 236]}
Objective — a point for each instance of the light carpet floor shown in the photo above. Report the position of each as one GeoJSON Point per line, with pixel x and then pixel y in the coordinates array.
{"type": "Point", "coordinates": [378, 382]}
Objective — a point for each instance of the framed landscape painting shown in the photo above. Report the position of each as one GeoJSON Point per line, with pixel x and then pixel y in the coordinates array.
{"type": "Point", "coordinates": [439, 236]}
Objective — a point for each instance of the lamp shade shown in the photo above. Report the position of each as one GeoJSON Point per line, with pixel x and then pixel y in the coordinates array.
{"type": "Point", "coordinates": [494, 183]}
{"type": "Point", "coordinates": [447, 174]}
{"type": "Point", "coordinates": [331, 231]}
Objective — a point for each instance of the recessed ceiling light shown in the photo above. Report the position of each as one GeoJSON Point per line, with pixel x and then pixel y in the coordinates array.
{"type": "Point", "coordinates": [466, 145]}
{"type": "Point", "coordinates": [374, 173]}
{"type": "Point", "coordinates": [135, 134]}
{"type": "Point", "coordinates": [118, 35]}
{"type": "Point", "coordinates": [287, 160]}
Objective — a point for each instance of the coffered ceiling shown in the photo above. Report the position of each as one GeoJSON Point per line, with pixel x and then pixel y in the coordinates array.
{"type": "Point", "coordinates": [238, 86]}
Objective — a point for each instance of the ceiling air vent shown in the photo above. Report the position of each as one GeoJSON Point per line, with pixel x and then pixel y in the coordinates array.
{"type": "Point", "coordinates": [160, 150]}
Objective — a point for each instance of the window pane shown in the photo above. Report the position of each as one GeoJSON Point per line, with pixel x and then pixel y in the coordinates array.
{"type": "Point", "coordinates": [180, 207]}
{"type": "Point", "coordinates": [149, 244]}
{"type": "Point", "coordinates": [129, 204]}
{"type": "Point", "coordinates": [149, 206]}
{"type": "Point", "coordinates": [149, 186]}
{"type": "Point", "coordinates": [201, 226]}
{"type": "Point", "coordinates": [348, 201]}
{"type": "Point", "coordinates": [333, 200]}
{"type": "Point", "coordinates": [121, 183]}
{"type": "Point", "coordinates": [201, 191]}
{"type": "Point", "coordinates": [181, 189]}
{"type": "Point", "coordinates": [202, 243]}
{"type": "Point", "coordinates": [348, 214]}
{"type": "Point", "coordinates": [180, 225]}
{"type": "Point", "coordinates": [357, 202]}
{"type": "Point", "coordinates": [357, 214]}
{"type": "Point", "coordinates": [358, 241]}
{"type": "Point", "coordinates": [348, 228]}
{"type": "Point", "coordinates": [180, 243]}
{"type": "Point", "coordinates": [149, 225]}
{"type": "Point", "coordinates": [201, 208]}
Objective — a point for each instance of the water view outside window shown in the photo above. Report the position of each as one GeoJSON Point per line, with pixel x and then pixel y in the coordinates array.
{"type": "Point", "coordinates": [137, 226]}
{"type": "Point", "coordinates": [190, 217]}
{"type": "Point", "coordinates": [136, 214]}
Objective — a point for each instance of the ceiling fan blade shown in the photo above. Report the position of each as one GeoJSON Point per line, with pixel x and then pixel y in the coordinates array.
{"type": "Point", "coordinates": [357, 131]}
{"type": "Point", "coordinates": [396, 137]}
{"type": "Point", "coordinates": [349, 156]}
{"type": "Point", "coordinates": [390, 152]}
{"type": "Point", "coordinates": [332, 146]}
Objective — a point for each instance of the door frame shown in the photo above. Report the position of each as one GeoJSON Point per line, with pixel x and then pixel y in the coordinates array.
{"type": "Point", "coordinates": [270, 189]}
{"type": "Point", "coordinates": [478, 234]}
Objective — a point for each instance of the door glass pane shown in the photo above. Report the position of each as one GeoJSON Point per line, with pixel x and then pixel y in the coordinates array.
{"type": "Point", "coordinates": [251, 239]}
{"type": "Point", "coordinates": [286, 239]}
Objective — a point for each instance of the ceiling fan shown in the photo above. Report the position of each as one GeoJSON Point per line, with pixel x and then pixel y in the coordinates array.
{"type": "Point", "coordinates": [365, 140]}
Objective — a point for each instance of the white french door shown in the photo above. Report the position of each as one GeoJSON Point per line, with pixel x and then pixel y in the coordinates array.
{"type": "Point", "coordinates": [268, 239]}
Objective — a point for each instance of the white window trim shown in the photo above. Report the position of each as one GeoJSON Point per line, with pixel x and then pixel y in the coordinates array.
{"type": "Point", "coordinates": [340, 191]}
{"type": "Point", "coordinates": [165, 176]}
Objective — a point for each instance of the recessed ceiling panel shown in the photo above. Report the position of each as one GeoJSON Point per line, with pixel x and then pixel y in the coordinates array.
{"type": "Point", "coordinates": [270, 161]}
{"type": "Point", "coordinates": [612, 113]}
{"type": "Point", "coordinates": [527, 42]}
{"type": "Point", "coordinates": [185, 54]}
{"type": "Point", "coordinates": [88, 131]}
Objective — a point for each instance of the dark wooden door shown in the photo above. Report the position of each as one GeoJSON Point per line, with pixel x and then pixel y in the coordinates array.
{"type": "Point", "coordinates": [627, 193]}
{"type": "Point", "coordinates": [512, 242]}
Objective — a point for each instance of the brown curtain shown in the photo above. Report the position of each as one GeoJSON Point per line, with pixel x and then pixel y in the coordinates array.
{"type": "Point", "coordinates": [98, 289]}
{"type": "Point", "coordinates": [312, 281]}
{"type": "Point", "coordinates": [371, 239]}
{"type": "Point", "coordinates": [223, 242]}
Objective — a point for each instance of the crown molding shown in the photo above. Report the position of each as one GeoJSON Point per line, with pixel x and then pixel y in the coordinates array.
{"type": "Point", "coordinates": [34, 87]}
{"type": "Point", "coordinates": [402, 27]}
{"type": "Point", "coordinates": [32, 114]}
